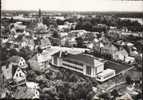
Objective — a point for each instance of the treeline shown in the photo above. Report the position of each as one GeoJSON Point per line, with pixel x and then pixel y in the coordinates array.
{"type": "Point", "coordinates": [98, 23]}
{"type": "Point", "coordinates": [102, 23]}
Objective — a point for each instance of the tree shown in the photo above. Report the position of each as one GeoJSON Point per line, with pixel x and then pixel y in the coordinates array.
{"type": "Point", "coordinates": [104, 96]}
{"type": "Point", "coordinates": [115, 93]}
{"type": "Point", "coordinates": [12, 52]}
{"type": "Point", "coordinates": [3, 54]}
{"type": "Point", "coordinates": [19, 38]}
{"type": "Point", "coordinates": [40, 28]}
{"type": "Point", "coordinates": [79, 41]}
{"type": "Point", "coordinates": [39, 50]}
{"type": "Point", "coordinates": [25, 53]}
{"type": "Point", "coordinates": [55, 34]}
{"type": "Point", "coordinates": [47, 21]}
{"type": "Point", "coordinates": [128, 79]}
{"type": "Point", "coordinates": [73, 78]}
{"type": "Point", "coordinates": [60, 22]}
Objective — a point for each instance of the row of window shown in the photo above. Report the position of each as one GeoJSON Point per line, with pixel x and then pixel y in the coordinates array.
{"type": "Point", "coordinates": [74, 62]}
{"type": "Point", "coordinates": [73, 67]}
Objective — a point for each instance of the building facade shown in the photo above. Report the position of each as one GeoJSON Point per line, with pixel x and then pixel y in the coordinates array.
{"type": "Point", "coordinates": [83, 63]}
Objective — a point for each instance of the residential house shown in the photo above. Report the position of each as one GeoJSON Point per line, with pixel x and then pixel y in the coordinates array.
{"type": "Point", "coordinates": [114, 33]}
{"type": "Point", "coordinates": [121, 54]}
{"type": "Point", "coordinates": [132, 49]}
{"type": "Point", "coordinates": [28, 41]}
{"type": "Point", "coordinates": [83, 63]}
{"type": "Point", "coordinates": [72, 41]}
{"type": "Point", "coordinates": [78, 33]}
{"type": "Point", "coordinates": [64, 41]}
{"type": "Point", "coordinates": [134, 53]}
{"type": "Point", "coordinates": [59, 17]}
{"type": "Point", "coordinates": [104, 47]}
{"type": "Point", "coordinates": [31, 44]}
{"type": "Point", "coordinates": [109, 49]}
{"type": "Point", "coordinates": [55, 41]}
{"type": "Point", "coordinates": [19, 76]}
{"type": "Point", "coordinates": [90, 45]}
{"type": "Point", "coordinates": [97, 45]}
{"type": "Point", "coordinates": [88, 37]}
{"type": "Point", "coordinates": [64, 28]}
{"type": "Point", "coordinates": [40, 61]}
{"type": "Point", "coordinates": [63, 34]}
{"type": "Point", "coordinates": [68, 42]}
{"type": "Point", "coordinates": [18, 27]}
{"type": "Point", "coordinates": [120, 43]}
{"type": "Point", "coordinates": [12, 71]}
{"type": "Point", "coordinates": [129, 59]}
{"type": "Point", "coordinates": [45, 43]}
{"type": "Point", "coordinates": [36, 64]}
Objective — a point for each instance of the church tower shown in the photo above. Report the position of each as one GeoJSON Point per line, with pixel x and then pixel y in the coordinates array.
{"type": "Point", "coordinates": [40, 16]}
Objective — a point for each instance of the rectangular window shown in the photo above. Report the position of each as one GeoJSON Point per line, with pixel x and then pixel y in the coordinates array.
{"type": "Point", "coordinates": [55, 60]}
{"type": "Point", "coordinates": [72, 67]}
{"type": "Point", "coordinates": [88, 70]}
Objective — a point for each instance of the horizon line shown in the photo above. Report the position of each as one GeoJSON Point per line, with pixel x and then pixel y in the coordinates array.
{"type": "Point", "coordinates": [66, 10]}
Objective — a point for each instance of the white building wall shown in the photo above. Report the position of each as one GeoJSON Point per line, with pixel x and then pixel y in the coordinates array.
{"type": "Point", "coordinates": [92, 72]}
{"type": "Point", "coordinates": [84, 69]}
{"type": "Point", "coordinates": [99, 68]}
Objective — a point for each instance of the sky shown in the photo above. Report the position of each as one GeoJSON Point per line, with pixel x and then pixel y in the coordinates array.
{"type": "Point", "coordinates": [73, 5]}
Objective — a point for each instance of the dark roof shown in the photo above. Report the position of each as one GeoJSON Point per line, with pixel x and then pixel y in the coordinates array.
{"type": "Point", "coordinates": [81, 58]}
{"type": "Point", "coordinates": [14, 59]}
{"type": "Point", "coordinates": [116, 66]}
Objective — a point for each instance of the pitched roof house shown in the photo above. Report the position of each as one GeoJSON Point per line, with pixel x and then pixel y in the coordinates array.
{"type": "Point", "coordinates": [35, 65]}
{"type": "Point", "coordinates": [12, 71]}
{"type": "Point", "coordinates": [121, 54]}
{"type": "Point", "coordinates": [109, 49]}
{"type": "Point", "coordinates": [19, 76]}
{"type": "Point", "coordinates": [41, 61]}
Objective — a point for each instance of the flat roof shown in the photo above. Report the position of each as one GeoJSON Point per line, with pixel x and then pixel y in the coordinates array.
{"type": "Point", "coordinates": [81, 58]}
{"type": "Point", "coordinates": [116, 66]}
{"type": "Point", "coordinates": [106, 71]}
